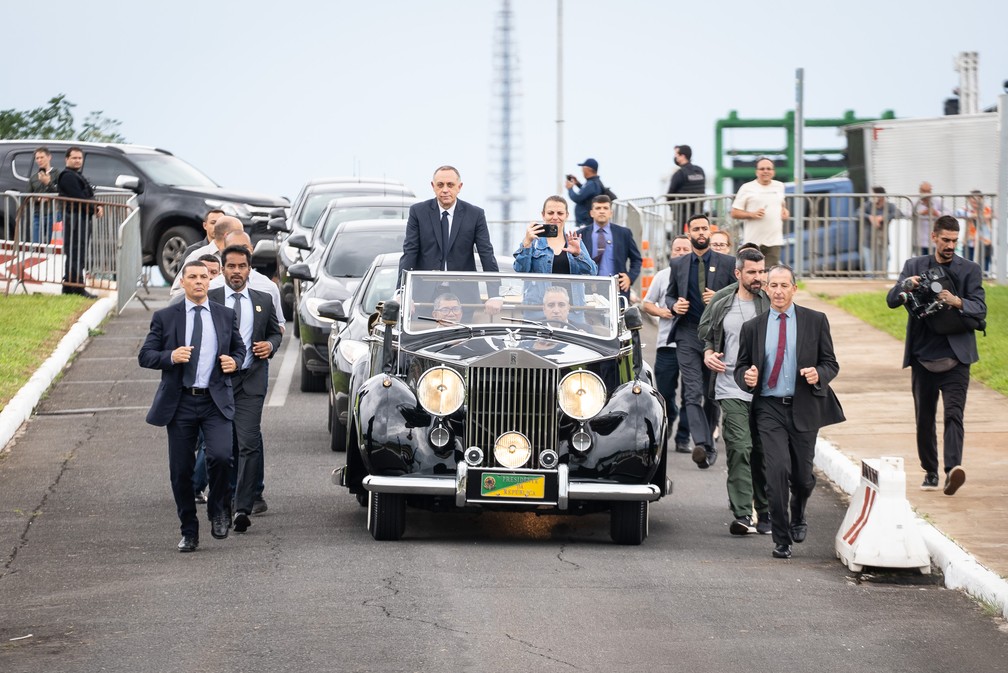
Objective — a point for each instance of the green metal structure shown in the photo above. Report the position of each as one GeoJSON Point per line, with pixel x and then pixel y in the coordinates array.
{"type": "Point", "coordinates": [785, 168]}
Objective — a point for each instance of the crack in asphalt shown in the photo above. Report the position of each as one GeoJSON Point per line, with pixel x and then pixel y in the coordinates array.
{"type": "Point", "coordinates": [393, 592]}
{"type": "Point", "coordinates": [560, 557]}
{"type": "Point", "coordinates": [23, 538]}
{"type": "Point", "coordinates": [532, 647]}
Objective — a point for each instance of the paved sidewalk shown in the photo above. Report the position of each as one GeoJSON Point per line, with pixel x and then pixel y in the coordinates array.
{"type": "Point", "coordinates": [875, 393]}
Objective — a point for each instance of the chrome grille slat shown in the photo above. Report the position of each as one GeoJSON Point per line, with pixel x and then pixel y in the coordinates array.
{"type": "Point", "coordinates": [505, 399]}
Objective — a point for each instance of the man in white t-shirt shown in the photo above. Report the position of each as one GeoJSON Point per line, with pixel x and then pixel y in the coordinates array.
{"type": "Point", "coordinates": [760, 204]}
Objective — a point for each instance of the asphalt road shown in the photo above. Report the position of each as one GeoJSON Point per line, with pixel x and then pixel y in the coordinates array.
{"type": "Point", "coordinates": [90, 579]}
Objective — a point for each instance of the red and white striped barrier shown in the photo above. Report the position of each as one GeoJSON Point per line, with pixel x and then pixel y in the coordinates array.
{"type": "Point", "coordinates": [880, 529]}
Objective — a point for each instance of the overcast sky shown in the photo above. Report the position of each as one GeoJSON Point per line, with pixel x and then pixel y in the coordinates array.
{"type": "Point", "coordinates": [263, 95]}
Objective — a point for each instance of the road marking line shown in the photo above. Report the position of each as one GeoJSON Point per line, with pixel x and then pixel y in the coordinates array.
{"type": "Point", "coordinates": [278, 397]}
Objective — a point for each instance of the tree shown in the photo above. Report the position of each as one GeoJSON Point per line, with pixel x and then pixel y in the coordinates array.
{"type": "Point", "coordinates": [55, 121]}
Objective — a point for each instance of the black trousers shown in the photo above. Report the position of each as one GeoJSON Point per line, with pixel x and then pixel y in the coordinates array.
{"type": "Point", "coordinates": [926, 386]}
{"type": "Point", "coordinates": [701, 411]}
{"type": "Point", "coordinates": [248, 447]}
{"type": "Point", "coordinates": [193, 414]}
{"type": "Point", "coordinates": [76, 238]}
{"type": "Point", "coordinates": [787, 459]}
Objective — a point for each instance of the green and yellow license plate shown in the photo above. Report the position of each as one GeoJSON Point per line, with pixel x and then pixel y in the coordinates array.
{"type": "Point", "coordinates": [512, 485]}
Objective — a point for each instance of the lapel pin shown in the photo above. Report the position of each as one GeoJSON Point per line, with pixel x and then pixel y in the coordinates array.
{"type": "Point", "coordinates": [258, 309]}
{"type": "Point", "coordinates": [712, 269]}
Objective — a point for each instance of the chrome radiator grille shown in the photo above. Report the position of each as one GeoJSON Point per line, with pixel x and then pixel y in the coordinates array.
{"type": "Point", "coordinates": [503, 400]}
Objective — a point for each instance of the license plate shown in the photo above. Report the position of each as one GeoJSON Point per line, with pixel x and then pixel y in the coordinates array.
{"type": "Point", "coordinates": [512, 485]}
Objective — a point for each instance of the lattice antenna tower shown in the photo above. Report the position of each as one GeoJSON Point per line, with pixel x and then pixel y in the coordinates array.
{"type": "Point", "coordinates": [505, 142]}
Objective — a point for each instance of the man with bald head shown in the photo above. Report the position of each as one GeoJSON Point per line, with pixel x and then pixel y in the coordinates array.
{"type": "Point", "coordinates": [225, 225]}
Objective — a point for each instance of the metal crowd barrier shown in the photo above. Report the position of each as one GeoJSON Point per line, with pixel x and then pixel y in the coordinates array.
{"type": "Point", "coordinates": [54, 244]}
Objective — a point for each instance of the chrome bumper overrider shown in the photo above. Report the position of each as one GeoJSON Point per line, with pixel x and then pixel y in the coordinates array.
{"type": "Point", "coordinates": [448, 486]}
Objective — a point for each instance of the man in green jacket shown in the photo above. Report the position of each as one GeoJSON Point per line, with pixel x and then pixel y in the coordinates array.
{"type": "Point", "coordinates": [719, 329]}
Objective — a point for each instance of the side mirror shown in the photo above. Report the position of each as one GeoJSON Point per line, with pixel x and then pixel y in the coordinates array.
{"type": "Point", "coordinates": [130, 182]}
{"type": "Point", "coordinates": [299, 241]}
{"type": "Point", "coordinates": [278, 224]}
{"type": "Point", "coordinates": [300, 272]}
{"type": "Point", "coordinates": [264, 253]}
{"type": "Point", "coordinates": [278, 212]}
{"type": "Point", "coordinates": [333, 310]}
{"type": "Point", "coordinates": [632, 319]}
{"type": "Point", "coordinates": [390, 312]}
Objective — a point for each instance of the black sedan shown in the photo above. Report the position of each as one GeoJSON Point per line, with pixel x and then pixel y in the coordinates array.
{"type": "Point", "coordinates": [339, 270]}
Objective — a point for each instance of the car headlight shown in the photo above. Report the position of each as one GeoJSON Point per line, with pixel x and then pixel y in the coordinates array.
{"type": "Point", "coordinates": [581, 394]}
{"type": "Point", "coordinates": [441, 391]}
{"type": "Point", "coordinates": [239, 210]}
{"type": "Point", "coordinates": [312, 304]}
{"type": "Point", "coordinates": [512, 450]}
{"type": "Point", "coordinates": [351, 350]}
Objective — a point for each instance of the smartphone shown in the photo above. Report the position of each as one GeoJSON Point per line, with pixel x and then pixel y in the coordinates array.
{"type": "Point", "coordinates": [549, 231]}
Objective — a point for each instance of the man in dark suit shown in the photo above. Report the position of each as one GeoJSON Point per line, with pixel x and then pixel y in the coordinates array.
{"type": "Point", "coordinates": [197, 346]}
{"type": "Point", "coordinates": [693, 280]}
{"type": "Point", "coordinates": [261, 337]}
{"type": "Point", "coordinates": [77, 214]}
{"type": "Point", "coordinates": [611, 246]}
{"type": "Point", "coordinates": [786, 361]}
{"type": "Point", "coordinates": [940, 362]}
{"type": "Point", "coordinates": [442, 233]}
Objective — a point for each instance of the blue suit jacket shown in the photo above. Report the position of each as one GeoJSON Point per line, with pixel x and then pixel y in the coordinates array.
{"type": "Point", "coordinates": [167, 332]}
{"type": "Point", "coordinates": [722, 276]}
{"type": "Point", "coordinates": [264, 328]}
{"type": "Point", "coordinates": [626, 255]}
{"type": "Point", "coordinates": [424, 250]}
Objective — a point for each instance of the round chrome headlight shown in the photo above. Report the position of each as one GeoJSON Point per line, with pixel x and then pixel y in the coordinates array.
{"type": "Point", "coordinates": [581, 394]}
{"type": "Point", "coordinates": [441, 391]}
{"type": "Point", "coordinates": [512, 450]}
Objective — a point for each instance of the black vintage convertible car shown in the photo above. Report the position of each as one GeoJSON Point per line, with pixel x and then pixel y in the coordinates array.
{"type": "Point", "coordinates": [505, 391]}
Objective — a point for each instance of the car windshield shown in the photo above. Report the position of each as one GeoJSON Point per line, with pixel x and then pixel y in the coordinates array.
{"type": "Point", "coordinates": [315, 204]}
{"type": "Point", "coordinates": [380, 288]}
{"type": "Point", "coordinates": [584, 304]}
{"type": "Point", "coordinates": [170, 171]}
{"type": "Point", "coordinates": [352, 254]}
{"type": "Point", "coordinates": [338, 216]}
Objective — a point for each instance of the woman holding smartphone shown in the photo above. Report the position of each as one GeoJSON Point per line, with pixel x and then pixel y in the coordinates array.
{"type": "Point", "coordinates": [547, 248]}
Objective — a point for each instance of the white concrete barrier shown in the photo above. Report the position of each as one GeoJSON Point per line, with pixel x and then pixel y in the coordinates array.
{"type": "Point", "coordinates": [880, 529]}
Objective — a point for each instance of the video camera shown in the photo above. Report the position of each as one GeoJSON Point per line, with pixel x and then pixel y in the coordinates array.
{"type": "Point", "coordinates": [922, 301]}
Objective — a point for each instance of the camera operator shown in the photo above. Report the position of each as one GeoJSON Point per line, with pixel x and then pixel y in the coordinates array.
{"type": "Point", "coordinates": [945, 300]}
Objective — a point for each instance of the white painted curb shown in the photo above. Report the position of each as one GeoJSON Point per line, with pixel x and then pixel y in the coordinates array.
{"type": "Point", "coordinates": [20, 408]}
{"type": "Point", "coordinates": [960, 568]}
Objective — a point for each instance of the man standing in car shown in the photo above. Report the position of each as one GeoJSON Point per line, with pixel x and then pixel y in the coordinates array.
{"type": "Point", "coordinates": [72, 184]}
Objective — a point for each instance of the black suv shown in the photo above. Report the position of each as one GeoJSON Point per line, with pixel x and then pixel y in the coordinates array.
{"type": "Point", "coordinates": [174, 197]}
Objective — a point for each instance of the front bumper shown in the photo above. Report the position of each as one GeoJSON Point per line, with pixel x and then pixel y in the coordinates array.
{"type": "Point", "coordinates": [447, 486]}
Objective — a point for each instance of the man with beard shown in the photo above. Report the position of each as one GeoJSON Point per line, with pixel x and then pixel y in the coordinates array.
{"type": "Point", "coordinates": [77, 213]}
{"type": "Point", "coordinates": [720, 327]}
{"type": "Point", "coordinates": [693, 280]}
{"type": "Point", "coordinates": [940, 349]}
{"type": "Point", "coordinates": [261, 336]}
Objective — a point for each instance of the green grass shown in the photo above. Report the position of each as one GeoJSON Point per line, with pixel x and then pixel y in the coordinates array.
{"type": "Point", "coordinates": [30, 328]}
{"type": "Point", "coordinates": [992, 369]}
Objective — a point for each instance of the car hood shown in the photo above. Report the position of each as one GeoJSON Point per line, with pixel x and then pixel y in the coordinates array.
{"type": "Point", "coordinates": [249, 198]}
{"type": "Point", "coordinates": [515, 351]}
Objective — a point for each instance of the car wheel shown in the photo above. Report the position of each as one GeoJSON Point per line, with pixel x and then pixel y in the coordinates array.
{"type": "Point", "coordinates": [628, 523]}
{"type": "Point", "coordinates": [386, 515]}
{"type": "Point", "coordinates": [170, 247]}
{"type": "Point", "coordinates": [337, 438]}
{"type": "Point", "coordinates": [310, 382]}
{"type": "Point", "coordinates": [297, 326]}
{"type": "Point", "coordinates": [287, 301]}
{"type": "Point", "coordinates": [329, 416]}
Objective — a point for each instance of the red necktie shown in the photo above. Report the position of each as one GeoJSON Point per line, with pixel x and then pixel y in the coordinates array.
{"type": "Point", "coordinates": [781, 343]}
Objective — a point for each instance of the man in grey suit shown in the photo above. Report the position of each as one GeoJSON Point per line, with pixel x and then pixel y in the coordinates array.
{"type": "Point", "coordinates": [442, 233]}
{"type": "Point", "coordinates": [786, 361]}
{"type": "Point", "coordinates": [693, 280]}
{"type": "Point", "coordinates": [261, 336]}
{"type": "Point", "coordinates": [196, 345]}
{"type": "Point", "coordinates": [940, 349]}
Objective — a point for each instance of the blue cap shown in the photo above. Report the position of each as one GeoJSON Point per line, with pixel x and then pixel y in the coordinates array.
{"type": "Point", "coordinates": [590, 163]}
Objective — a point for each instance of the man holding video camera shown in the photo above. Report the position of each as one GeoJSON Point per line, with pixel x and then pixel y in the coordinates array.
{"type": "Point", "coordinates": [946, 304]}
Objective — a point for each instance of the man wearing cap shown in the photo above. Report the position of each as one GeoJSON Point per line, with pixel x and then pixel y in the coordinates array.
{"type": "Point", "coordinates": [582, 194]}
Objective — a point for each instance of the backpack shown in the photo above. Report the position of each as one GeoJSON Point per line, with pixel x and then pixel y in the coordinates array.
{"type": "Point", "coordinates": [605, 190]}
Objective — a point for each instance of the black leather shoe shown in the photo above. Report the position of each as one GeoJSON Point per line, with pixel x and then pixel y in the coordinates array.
{"type": "Point", "coordinates": [259, 506]}
{"type": "Point", "coordinates": [241, 522]}
{"type": "Point", "coordinates": [188, 544]}
{"type": "Point", "coordinates": [799, 531]}
{"type": "Point", "coordinates": [782, 551]}
{"type": "Point", "coordinates": [700, 456]}
{"type": "Point", "coordinates": [683, 448]}
{"type": "Point", "coordinates": [711, 457]}
{"type": "Point", "coordinates": [220, 525]}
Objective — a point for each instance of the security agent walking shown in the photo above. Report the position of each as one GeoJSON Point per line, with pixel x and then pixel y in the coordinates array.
{"type": "Point", "coordinates": [692, 283]}
{"type": "Point", "coordinates": [786, 361]}
{"type": "Point", "coordinates": [261, 336]}
{"type": "Point", "coordinates": [197, 345]}
{"type": "Point", "coordinates": [720, 327]}
{"type": "Point", "coordinates": [941, 347]}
